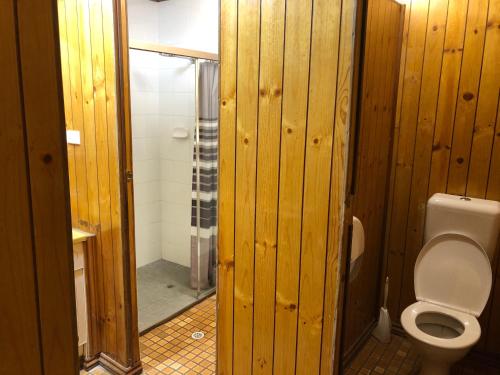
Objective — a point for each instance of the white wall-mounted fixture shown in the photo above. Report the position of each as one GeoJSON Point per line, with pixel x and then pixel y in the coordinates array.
{"type": "Point", "coordinates": [73, 137]}
{"type": "Point", "coordinates": [180, 133]}
{"type": "Point", "coordinates": [357, 247]}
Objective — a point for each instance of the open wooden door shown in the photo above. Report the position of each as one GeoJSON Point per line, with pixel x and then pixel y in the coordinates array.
{"type": "Point", "coordinates": [286, 82]}
{"type": "Point", "coordinates": [38, 320]}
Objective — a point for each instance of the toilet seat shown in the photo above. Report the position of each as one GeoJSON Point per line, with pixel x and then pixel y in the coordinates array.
{"type": "Point", "coordinates": [453, 271]}
{"type": "Point", "coordinates": [470, 335]}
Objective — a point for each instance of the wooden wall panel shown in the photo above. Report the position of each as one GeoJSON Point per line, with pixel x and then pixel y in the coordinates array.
{"type": "Point", "coordinates": [88, 59]}
{"type": "Point", "coordinates": [342, 165]}
{"type": "Point", "coordinates": [38, 318]}
{"type": "Point", "coordinates": [17, 284]}
{"type": "Point", "coordinates": [246, 155]}
{"type": "Point", "coordinates": [447, 129]}
{"type": "Point", "coordinates": [376, 110]}
{"type": "Point", "coordinates": [414, 51]}
{"type": "Point", "coordinates": [285, 95]}
{"type": "Point", "coordinates": [324, 71]}
{"type": "Point", "coordinates": [293, 132]}
{"type": "Point", "coordinates": [270, 101]}
{"type": "Point", "coordinates": [227, 173]}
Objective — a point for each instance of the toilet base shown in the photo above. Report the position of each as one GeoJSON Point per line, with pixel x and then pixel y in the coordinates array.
{"type": "Point", "coordinates": [434, 368]}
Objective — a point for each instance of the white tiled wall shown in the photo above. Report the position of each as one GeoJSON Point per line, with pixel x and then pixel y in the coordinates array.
{"type": "Point", "coordinates": [177, 110]}
{"type": "Point", "coordinates": [143, 20]}
{"type": "Point", "coordinates": [162, 90]}
{"type": "Point", "coordinates": [145, 97]}
{"type": "Point", "coordinates": [190, 24]}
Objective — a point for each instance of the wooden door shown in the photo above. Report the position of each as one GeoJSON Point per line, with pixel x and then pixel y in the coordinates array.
{"type": "Point", "coordinates": [286, 70]}
{"type": "Point", "coordinates": [37, 323]}
{"type": "Point", "coordinates": [375, 127]}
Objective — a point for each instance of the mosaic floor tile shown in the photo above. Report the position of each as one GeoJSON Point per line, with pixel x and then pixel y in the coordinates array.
{"type": "Point", "coordinates": [400, 358]}
{"type": "Point", "coordinates": [171, 349]}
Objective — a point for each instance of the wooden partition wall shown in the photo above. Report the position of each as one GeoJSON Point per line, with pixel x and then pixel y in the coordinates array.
{"type": "Point", "coordinates": [37, 310]}
{"type": "Point", "coordinates": [285, 89]}
{"type": "Point", "coordinates": [372, 155]}
{"type": "Point", "coordinates": [448, 132]}
{"type": "Point", "coordinates": [89, 68]}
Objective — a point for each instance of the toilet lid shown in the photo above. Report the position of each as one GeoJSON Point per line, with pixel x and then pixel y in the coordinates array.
{"type": "Point", "coordinates": [454, 271]}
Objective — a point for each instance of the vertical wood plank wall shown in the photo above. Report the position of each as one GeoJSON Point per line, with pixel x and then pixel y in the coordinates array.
{"type": "Point", "coordinates": [285, 96]}
{"type": "Point", "coordinates": [376, 115]}
{"type": "Point", "coordinates": [38, 318]}
{"type": "Point", "coordinates": [89, 80]}
{"type": "Point", "coordinates": [447, 133]}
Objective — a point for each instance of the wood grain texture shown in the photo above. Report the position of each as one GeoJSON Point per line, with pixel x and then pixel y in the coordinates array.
{"type": "Point", "coordinates": [123, 112]}
{"type": "Point", "coordinates": [18, 279]}
{"type": "Point", "coordinates": [467, 96]}
{"type": "Point", "coordinates": [485, 121]}
{"type": "Point", "coordinates": [282, 181]}
{"type": "Point", "coordinates": [68, 110]}
{"type": "Point", "coordinates": [428, 103]}
{"type": "Point", "coordinates": [89, 68]}
{"type": "Point", "coordinates": [227, 175]}
{"type": "Point", "coordinates": [323, 84]}
{"type": "Point", "coordinates": [293, 133]}
{"type": "Point", "coordinates": [411, 81]}
{"type": "Point", "coordinates": [375, 128]}
{"type": "Point", "coordinates": [453, 146]}
{"type": "Point", "coordinates": [339, 214]}
{"type": "Point", "coordinates": [266, 205]}
{"type": "Point", "coordinates": [42, 94]}
{"type": "Point", "coordinates": [116, 205]}
{"type": "Point", "coordinates": [246, 160]}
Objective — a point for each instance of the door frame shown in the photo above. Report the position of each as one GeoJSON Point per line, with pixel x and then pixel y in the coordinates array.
{"type": "Point", "coordinates": [127, 189]}
{"type": "Point", "coordinates": [126, 179]}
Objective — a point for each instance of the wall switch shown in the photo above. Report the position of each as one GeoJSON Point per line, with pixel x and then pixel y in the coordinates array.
{"type": "Point", "coordinates": [73, 137]}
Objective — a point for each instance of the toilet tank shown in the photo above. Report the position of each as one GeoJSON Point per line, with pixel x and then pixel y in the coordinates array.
{"type": "Point", "coordinates": [478, 219]}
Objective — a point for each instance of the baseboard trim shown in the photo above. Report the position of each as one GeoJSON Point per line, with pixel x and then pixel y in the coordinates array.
{"type": "Point", "coordinates": [91, 362]}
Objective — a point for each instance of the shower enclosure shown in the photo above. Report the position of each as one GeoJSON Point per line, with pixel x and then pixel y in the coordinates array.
{"type": "Point", "coordinates": [174, 139]}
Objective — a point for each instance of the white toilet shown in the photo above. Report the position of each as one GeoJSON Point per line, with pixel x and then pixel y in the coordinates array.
{"type": "Point", "coordinates": [452, 279]}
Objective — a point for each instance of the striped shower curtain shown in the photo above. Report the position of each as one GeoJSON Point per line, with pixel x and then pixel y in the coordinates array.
{"type": "Point", "coordinates": [208, 125]}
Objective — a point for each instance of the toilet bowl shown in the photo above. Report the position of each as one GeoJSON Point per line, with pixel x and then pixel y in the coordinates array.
{"type": "Point", "coordinates": [442, 336]}
{"type": "Point", "coordinates": [452, 280]}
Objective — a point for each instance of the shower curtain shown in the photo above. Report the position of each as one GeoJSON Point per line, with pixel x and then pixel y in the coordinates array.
{"type": "Point", "coordinates": [208, 124]}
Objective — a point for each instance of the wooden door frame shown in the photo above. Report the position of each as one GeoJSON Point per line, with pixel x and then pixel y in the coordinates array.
{"type": "Point", "coordinates": [350, 186]}
{"type": "Point", "coordinates": [126, 182]}
{"type": "Point", "coordinates": [356, 105]}
{"type": "Point", "coordinates": [126, 176]}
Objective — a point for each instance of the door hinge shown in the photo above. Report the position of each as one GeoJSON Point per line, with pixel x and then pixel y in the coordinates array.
{"type": "Point", "coordinates": [129, 176]}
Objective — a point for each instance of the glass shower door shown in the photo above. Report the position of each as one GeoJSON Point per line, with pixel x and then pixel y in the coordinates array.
{"type": "Point", "coordinates": [175, 142]}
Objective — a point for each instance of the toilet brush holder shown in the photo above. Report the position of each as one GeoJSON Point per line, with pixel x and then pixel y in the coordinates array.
{"type": "Point", "coordinates": [382, 331]}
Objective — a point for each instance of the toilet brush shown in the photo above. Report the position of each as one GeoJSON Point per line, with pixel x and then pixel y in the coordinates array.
{"type": "Point", "coordinates": [382, 331]}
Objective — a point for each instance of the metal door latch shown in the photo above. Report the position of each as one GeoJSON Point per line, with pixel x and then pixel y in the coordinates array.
{"type": "Point", "coordinates": [129, 176]}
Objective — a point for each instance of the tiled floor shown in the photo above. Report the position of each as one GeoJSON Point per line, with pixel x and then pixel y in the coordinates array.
{"type": "Point", "coordinates": [95, 371]}
{"type": "Point", "coordinates": [162, 291]}
{"type": "Point", "coordinates": [170, 349]}
{"type": "Point", "coordinates": [399, 357]}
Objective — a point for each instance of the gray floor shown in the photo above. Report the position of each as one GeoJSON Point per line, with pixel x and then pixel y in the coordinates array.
{"type": "Point", "coordinates": [162, 290]}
